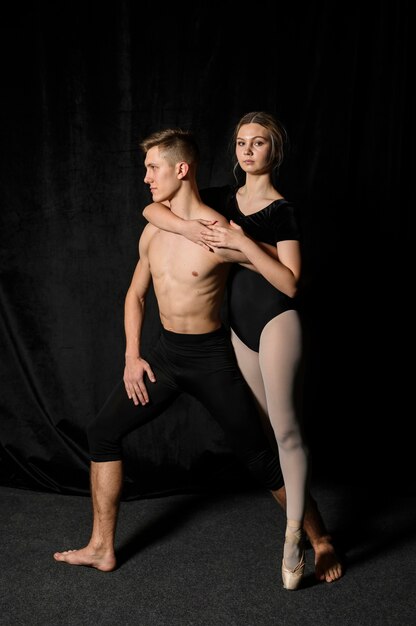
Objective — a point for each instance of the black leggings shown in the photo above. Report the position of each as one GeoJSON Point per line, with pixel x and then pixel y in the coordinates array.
{"type": "Point", "coordinates": [204, 366]}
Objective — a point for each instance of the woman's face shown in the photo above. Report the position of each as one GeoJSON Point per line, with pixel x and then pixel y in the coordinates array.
{"type": "Point", "coordinates": [252, 148]}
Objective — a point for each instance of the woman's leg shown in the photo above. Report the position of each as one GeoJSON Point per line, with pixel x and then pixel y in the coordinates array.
{"type": "Point", "coordinates": [328, 565]}
{"type": "Point", "coordinates": [271, 375]}
{"type": "Point", "coordinates": [248, 362]}
{"type": "Point", "coordinates": [279, 359]}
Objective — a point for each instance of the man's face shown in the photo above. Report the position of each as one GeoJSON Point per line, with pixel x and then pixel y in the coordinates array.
{"type": "Point", "coordinates": [161, 176]}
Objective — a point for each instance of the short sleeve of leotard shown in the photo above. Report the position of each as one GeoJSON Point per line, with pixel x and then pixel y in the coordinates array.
{"type": "Point", "coordinates": [276, 222]}
{"type": "Point", "coordinates": [282, 221]}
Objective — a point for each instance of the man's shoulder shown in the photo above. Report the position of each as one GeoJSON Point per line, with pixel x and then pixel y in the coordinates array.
{"type": "Point", "coordinates": [147, 233]}
{"type": "Point", "coordinates": [207, 208]}
{"type": "Point", "coordinates": [209, 213]}
{"type": "Point", "coordinates": [148, 230]}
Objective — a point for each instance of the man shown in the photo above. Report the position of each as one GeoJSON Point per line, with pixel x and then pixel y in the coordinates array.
{"type": "Point", "coordinates": [194, 354]}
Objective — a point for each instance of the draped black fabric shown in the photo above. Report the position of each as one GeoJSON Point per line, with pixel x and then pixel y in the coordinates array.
{"type": "Point", "coordinates": [82, 83]}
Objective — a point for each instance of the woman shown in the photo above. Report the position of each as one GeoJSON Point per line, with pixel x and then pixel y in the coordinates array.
{"type": "Point", "coordinates": [265, 326]}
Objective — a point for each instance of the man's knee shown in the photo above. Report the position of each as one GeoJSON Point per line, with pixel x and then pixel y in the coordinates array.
{"type": "Point", "coordinates": [103, 444]}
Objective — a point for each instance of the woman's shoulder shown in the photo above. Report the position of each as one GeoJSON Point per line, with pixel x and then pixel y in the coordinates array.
{"type": "Point", "coordinates": [280, 207]}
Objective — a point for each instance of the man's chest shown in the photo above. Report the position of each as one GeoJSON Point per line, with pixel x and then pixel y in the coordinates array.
{"type": "Point", "coordinates": [176, 256]}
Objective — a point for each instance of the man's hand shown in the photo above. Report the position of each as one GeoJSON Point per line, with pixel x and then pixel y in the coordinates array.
{"type": "Point", "coordinates": [134, 372]}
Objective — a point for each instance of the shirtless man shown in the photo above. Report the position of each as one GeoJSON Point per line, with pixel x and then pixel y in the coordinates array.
{"type": "Point", "coordinates": [194, 353]}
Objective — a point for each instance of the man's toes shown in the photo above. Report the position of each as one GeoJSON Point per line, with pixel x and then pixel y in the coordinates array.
{"type": "Point", "coordinates": [60, 556]}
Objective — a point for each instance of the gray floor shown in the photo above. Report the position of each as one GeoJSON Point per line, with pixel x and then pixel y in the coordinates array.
{"type": "Point", "coordinates": [205, 560]}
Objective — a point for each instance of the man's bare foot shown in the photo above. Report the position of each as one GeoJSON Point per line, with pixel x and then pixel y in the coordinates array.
{"type": "Point", "coordinates": [88, 557]}
{"type": "Point", "coordinates": [328, 566]}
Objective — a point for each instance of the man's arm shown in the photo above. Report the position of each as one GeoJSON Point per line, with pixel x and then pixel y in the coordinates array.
{"type": "Point", "coordinates": [134, 306]}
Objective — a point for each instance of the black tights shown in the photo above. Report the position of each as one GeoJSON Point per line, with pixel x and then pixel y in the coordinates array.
{"type": "Point", "coordinates": [204, 366]}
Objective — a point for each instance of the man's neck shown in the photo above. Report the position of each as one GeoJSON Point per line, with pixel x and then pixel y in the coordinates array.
{"type": "Point", "coordinates": [185, 202]}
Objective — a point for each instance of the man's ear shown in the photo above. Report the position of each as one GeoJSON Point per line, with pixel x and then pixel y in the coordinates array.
{"type": "Point", "coordinates": [182, 168]}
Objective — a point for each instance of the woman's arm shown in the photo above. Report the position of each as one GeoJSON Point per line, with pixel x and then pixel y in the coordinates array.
{"type": "Point", "coordinates": [162, 217]}
{"type": "Point", "coordinates": [281, 270]}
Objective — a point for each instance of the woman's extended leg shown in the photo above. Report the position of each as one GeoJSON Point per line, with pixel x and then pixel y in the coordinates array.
{"type": "Point", "coordinates": [279, 359]}
{"type": "Point", "coordinates": [272, 379]}
{"type": "Point", "coordinates": [327, 564]}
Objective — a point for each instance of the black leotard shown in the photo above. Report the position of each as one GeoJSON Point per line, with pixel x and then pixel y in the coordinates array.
{"type": "Point", "coordinates": [252, 300]}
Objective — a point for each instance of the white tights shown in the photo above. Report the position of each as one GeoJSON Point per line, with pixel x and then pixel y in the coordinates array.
{"type": "Point", "coordinates": [271, 374]}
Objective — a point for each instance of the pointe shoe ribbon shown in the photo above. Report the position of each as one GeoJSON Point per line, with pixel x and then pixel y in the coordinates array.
{"type": "Point", "coordinates": [293, 577]}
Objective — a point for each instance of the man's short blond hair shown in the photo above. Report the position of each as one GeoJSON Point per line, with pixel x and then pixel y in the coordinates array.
{"type": "Point", "coordinates": [174, 144]}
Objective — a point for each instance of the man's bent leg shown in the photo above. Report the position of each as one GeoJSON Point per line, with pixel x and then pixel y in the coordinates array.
{"type": "Point", "coordinates": [106, 484]}
{"type": "Point", "coordinates": [328, 566]}
{"type": "Point", "coordinates": [117, 417]}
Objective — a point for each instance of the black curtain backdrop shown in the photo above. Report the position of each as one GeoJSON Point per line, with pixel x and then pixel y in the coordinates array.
{"type": "Point", "coordinates": [81, 84]}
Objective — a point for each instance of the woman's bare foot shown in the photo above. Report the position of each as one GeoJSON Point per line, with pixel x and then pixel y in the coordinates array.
{"type": "Point", "coordinates": [89, 557]}
{"type": "Point", "coordinates": [328, 566]}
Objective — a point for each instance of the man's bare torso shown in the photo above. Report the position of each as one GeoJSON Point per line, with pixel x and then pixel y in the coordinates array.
{"type": "Point", "coordinates": [189, 283]}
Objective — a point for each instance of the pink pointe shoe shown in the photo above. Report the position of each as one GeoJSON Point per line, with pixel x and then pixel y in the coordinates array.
{"type": "Point", "coordinates": [293, 577]}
